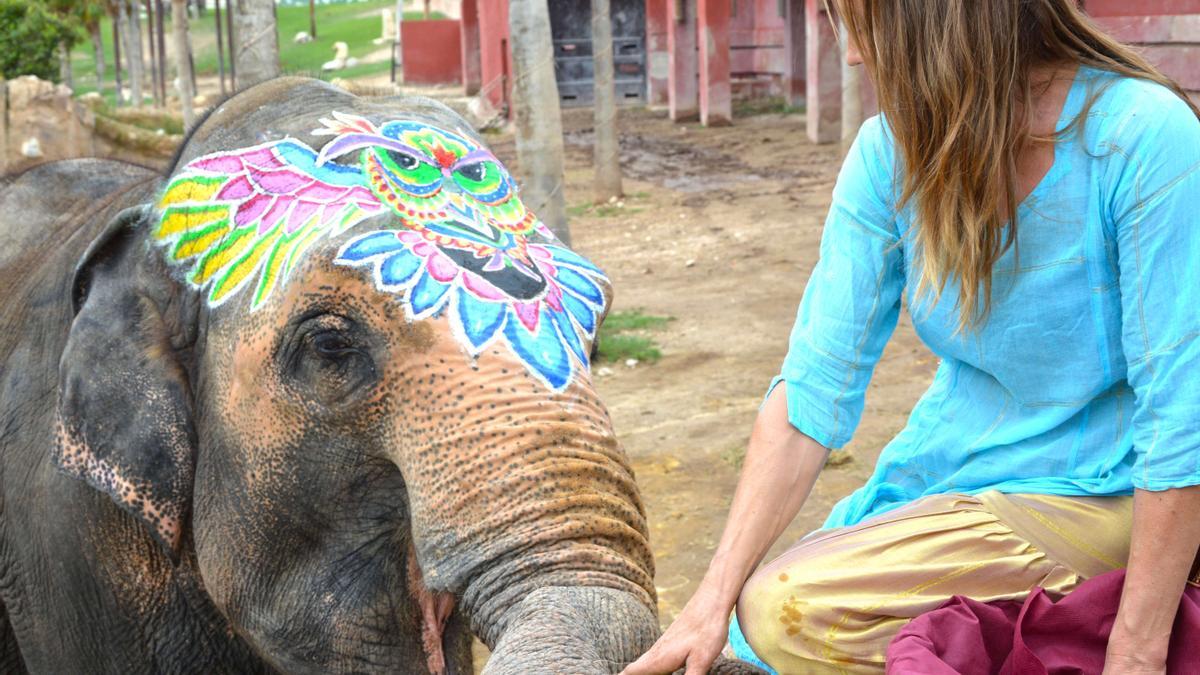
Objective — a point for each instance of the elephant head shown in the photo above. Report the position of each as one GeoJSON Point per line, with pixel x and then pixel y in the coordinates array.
{"type": "Point", "coordinates": [340, 367]}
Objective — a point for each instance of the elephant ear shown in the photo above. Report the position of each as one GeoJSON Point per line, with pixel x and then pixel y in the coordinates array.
{"type": "Point", "coordinates": [124, 406]}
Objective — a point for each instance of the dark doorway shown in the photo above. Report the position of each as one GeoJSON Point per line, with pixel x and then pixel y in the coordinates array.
{"type": "Point", "coordinates": [571, 28]}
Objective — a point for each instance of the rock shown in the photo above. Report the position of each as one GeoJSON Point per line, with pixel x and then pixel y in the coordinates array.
{"type": "Point", "coordinates": [302, 37]}
{"type": "Point", "coordinates": [604, 371]}
{"type": "Point", "coordinates": [631, 363]}
{"type": "Point", "coordinates": [690, 263]}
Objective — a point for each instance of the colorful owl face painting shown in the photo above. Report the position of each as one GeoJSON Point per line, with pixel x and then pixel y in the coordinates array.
{"type": "Point", "coordinates": [240, 221]}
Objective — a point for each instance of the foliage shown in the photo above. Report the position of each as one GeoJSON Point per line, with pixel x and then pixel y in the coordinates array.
{"type": "Point", "coordinates": [622, 336]}
{"type": "Point", "coordinates": [355, 23]}
{"type": "Point", "coordinates": [30, 34]}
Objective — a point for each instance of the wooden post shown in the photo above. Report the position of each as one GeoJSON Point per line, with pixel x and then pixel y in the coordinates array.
{"type": "Point", "coordinates": [229, 44]}
{"type": "Point", "coordinates": [187, 89]}
{"type": "Point", "coordinates": [852, 103]}
{"type": "Point", "coordinates": [795, 68]}
{"type": "Point", "coordinates": [712, 20]}
{"type": "Point", "coordinates": [824, 82]}
{"type": "Point", "coordinates": [220, 47]}
{"type": "Point", "coordinates": [149, 7]}
{"type": "Point", "coordinates": [257, 42]}
{"type": "Point", "coordinates": [606, 152]}
{"type": "Point", "coordinates": [472, 69]}
{"type": "Point", "coordinates": [312, 18]}
{"type": "Point", "coordinates": [538, 118]}
{"type": "Point", "coordinates": [159, 30]}
{"type": "Point", "coordinates": [683, 78]}
{"type": "Point", "coordinates": [116, 36]}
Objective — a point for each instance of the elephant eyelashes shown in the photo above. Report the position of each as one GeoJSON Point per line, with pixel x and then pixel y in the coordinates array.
{"type": "Point", "coordinates": [327, 357]}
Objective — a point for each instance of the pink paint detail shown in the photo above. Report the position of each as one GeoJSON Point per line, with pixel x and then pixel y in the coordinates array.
{"type": "Point", "coordinates": [281, 182]}
{"type": "Point", "coordinates": [411, 238]}
{"type": "Point", "coordinates": [220, 164]}
{"type": "Point", "coordinates": [528, 313]}
{"type": "Point", "coordinates": [361, 194]}
{"type": "Point", "coordinates": [539, 252]}
{"type": "Point", "coordinates": [263, 158]}
{"type": "Point", "coordinates": [554, 297]}
{"type": "Point", "coordinates": [277, 211]}
{"type": "Point", "coordinates": [237, 189]}
{"type": "Point", "coordinates": [481, 288]}
{"type": "Point", "coordinates": [330, 212]}
{"type": "Point", "coordinates": [423, 249]}
{"type": "Point", "coordinates": [301, 215]}
{"type": "Point", "coordinates": [251, 209]}
{"type": "Point", "coordinates": [321, 192]}
{"type": "Point", "coordinates": [441, 268]}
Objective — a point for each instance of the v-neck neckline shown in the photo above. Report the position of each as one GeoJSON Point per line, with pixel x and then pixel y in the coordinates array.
{"type": "Point", "coordinates": [1070, 109]}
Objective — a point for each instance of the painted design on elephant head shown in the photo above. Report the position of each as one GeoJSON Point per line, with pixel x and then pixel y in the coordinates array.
{"type": "Point", "coordinates": [462, 248]}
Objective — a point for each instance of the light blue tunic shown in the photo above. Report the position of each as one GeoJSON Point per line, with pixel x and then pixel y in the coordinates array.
{"type": "Point", "coordinates": [1085, 378]}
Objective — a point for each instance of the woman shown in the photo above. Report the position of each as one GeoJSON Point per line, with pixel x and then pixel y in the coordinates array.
{"type": "Point", "coordinates": [1061, 436]}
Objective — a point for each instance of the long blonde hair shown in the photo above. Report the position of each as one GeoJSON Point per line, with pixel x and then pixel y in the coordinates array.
{"type": "Point", "coordinates": [952, 77]}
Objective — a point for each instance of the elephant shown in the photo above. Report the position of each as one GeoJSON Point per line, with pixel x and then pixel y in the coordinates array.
{"type": "Point", "coordinates": [315, 401]}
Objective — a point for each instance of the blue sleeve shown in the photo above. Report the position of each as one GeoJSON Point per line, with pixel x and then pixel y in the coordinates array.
{"type": "Point", "coordinates": [852, 300]}
{"type": "Point", "coordinates": [1154, 188]}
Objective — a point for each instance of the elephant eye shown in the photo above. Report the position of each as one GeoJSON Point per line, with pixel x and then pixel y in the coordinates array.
{"type": "Point", "coordinates": [331, 343]}
{"type": "Point", "coordinates": [404, 160]}
{"type": "Point", "coordinates": [475, 172]}
{"type": "Point", "coordinates": [329, 358]}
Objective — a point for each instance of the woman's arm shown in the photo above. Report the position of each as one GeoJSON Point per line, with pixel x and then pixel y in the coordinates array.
{"type": "Point", "coordinates": [1166, 535]}
{"type": "Point", "coordinates": [780, 468]}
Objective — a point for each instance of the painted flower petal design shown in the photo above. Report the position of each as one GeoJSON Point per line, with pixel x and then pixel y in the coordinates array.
{"type": "Point", "coordinates": [543, 352]}
{"type": "Point", "coordinates": [480, 321]}
{"type": "Point", "coordinates": [459, 246]}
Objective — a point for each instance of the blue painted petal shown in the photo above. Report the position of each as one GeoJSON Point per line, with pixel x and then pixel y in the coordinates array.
{"type": "Point", "coordinates": [480, 319]}
{"type": "Point", "coordinates": [399, 269]}
{"type": "Point", "coordinates": [570, 335]}
{"type": "Point", "coordinates": [566, 256]}
{"type": "Point", "coordinates": [544, 354]}
{"type": "Point", "coordinates": [584, 315]}
{"type": "Point", "coordinates": [426, 295]}
{"type": "Point", "coordinates": [580, 285]}
{"type": "Point", "coordinates": [370, 244]}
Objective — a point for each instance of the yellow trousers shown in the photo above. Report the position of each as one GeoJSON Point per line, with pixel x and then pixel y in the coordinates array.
{"type": "Point", "coordinates": [834, 601]}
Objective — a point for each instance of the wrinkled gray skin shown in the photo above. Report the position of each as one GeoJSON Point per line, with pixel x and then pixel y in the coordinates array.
{"type": "Point", "coordinates": [176, 497]}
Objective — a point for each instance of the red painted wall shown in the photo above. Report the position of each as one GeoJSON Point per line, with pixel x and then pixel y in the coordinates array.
{"type": "Point", "coordinates": [757, 23]}
{"type": "Point", "coordinates": [1167, 32]}
{"type": "Point", "coordinates": [495, 56]}
{"type": "Point", "coordinates": [432, 51]}
{"type": "Point", "coordinates": [1141, 7]}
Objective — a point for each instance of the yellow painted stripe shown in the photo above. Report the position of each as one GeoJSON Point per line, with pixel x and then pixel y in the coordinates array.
{"type": "Point", "coordinates": [201, 243]}
{"type": "Point", "coordinates": [244, 267]}
{"type": "Point", "coordinates": [177, 220]}
{"type": "Point", "coordinates": [217, 260]}
{"type": "Point", "coordinates": [191, 190]}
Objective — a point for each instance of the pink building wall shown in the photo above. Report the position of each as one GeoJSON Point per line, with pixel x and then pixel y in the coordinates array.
{"type": "Point", "coordinates": [495, 55]}
{"type": "Point", "coordinates": [432, 51]}
{"type": "Point", "coordinates": [1166, 31]}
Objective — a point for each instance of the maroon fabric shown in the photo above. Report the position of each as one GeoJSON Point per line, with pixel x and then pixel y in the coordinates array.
{"type": "Point", "coordinates": [1039, 637]}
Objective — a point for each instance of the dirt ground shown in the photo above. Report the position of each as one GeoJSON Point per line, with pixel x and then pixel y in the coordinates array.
{"type": "Point", "coordinates": [720, 232]}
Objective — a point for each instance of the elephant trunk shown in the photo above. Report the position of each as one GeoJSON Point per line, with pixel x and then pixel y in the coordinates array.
{"type": "Point", "coordinates": [524, 508]}
{"type": "Point", "coordinates": [579, 629]}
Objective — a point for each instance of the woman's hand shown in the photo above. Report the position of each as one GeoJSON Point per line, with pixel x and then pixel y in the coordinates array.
{"type": "Point", "coordinates": [781, 466]}
{"type": "Point", "coordinates": [695, 638]}
{"type": "Point", "coordinates": [1165, 537]}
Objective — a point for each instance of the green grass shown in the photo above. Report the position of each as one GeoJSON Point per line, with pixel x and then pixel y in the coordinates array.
{"type": "Point", "coordinates": [623, 337]}
{"type": "Point", "coordinates": [765, 106]}
{"type": "Point", "coordinates": [355, 23]}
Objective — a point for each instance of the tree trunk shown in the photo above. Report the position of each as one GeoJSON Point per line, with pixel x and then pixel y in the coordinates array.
{"type": "Point", "coordinates": [607, 149]}
{"type": "Point", "coordinates": [158, 102]}
{"type": "Point", "coordinates": [64, 65]}
{"type": "Point", "coordinates": [133, 51]}
{"type": "Point", "coordinates": [538, 117]}
{"type": "Point", "coordinates": [98, 54]}
{"type": "Point", "coordinates": [158, 34]}
{"type": "Point", "coordinates": [229, 44]}
{"type": "Point", "coordinates": [117, 32]}
{"type": "Point", "coordinates": [427, 11]}
{"type": "Point", "coordinates": [398, 46]}
{"type": "Point", "coordinates": [179, 43]}
{"type": "Point", "coordinates": [852, 112]}
{"type": "Point", "coordinates": [312, 18]}
{"type": "Point", "coordinates": [256, 51]}
{"type": "Point", "coordinates": [220, 47]}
